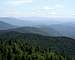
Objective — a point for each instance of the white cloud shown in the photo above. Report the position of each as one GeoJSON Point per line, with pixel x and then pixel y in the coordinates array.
{"type": "Point", "coordinates": [53, 13]}
{"type": "Point", "coordinates": [17, 2]}
{"type": "Point", "coordinates": [11, 8]}
{"type": "Point", "coordinates": [59, 6]}
{"type": "Point", "coordinates": [44, 12]}
{"type": "Point", "coordinates": [48, 8]}
{"type": "Point", "coordinates": [57, 10]}
{"type": "Point", "coordinates": [36, 10]}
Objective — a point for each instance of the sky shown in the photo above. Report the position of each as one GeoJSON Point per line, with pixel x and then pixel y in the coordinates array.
{"type": "Point", "coordinates": [38, 8]}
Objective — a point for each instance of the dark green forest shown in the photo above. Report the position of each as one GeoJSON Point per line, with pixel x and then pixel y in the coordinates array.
{"type": "Point", "coordinates": [29, 46]}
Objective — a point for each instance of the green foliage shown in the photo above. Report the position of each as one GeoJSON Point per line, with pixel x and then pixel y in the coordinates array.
{"type": "Point", "coordinates": [19, 50]}
{"type": "Point", "coordinates": [15, 46]}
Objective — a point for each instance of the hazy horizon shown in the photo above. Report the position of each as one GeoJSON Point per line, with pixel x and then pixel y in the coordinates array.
{"type": "Point", "coordinates": [38, 10]}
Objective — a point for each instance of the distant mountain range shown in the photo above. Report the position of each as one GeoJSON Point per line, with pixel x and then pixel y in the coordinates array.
{"type": "Point", "coordinates": [16, 21]}
{"type": "Point", "coordinates": [31, 21]}
{"type": "Point", "coordinates": [5, 26]}
{"type": "Point", "coordinates": [39, 26]}
{"type": "Point", "coordinates": [67, 29]}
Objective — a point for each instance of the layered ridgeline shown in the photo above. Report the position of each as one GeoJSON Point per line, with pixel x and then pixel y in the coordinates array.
{"type": "Point", "coordinates": [14, 24]}
{"type": "Point", "coordinates": [28, 21]}
{"type": "Point", "coordinates": [49, 26]}
{"type": "Point", "coordinates": [5, 26]}
{"type": "Point", "coordinates": [38, 30]}
{"type": "Point", "coordinates": [66, 29]}
{"type": "Point", "coordinates": [31, 46]}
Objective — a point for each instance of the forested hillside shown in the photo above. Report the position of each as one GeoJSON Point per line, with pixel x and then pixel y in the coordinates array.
{"type": "Point", "coordinates": [29, 46]}
{"type": "Point", "coordinates": [38, 30]}
{"type": "Point", "coordinates": [20, 50]}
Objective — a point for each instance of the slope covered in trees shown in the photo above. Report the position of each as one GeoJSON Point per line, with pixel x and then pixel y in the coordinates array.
{"type": "Point", "coordinates": [29, 46]}
{"type": "Point", "coordinates": [19, 50]}
{"type": "Point", "coordinates": [38, 30]}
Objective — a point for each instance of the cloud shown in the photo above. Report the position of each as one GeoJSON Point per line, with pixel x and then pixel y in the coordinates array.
{"type": "Point", "coordinates": [44, 12]}
{"type": "Point", "coordinates": [59, 6]}
{"type": "Point", "coordinates": [56, 10]}
{"type": "Point", "coordinates": [17, 2]}
{"type": "Point", "coordinates": [32, 8]}
{"type": "Point", "coordinates": [48, 8]}
{"type": "Point", "coordinates": [53, 13]}
{"type": "Point", "coordinates": [16, 8]}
